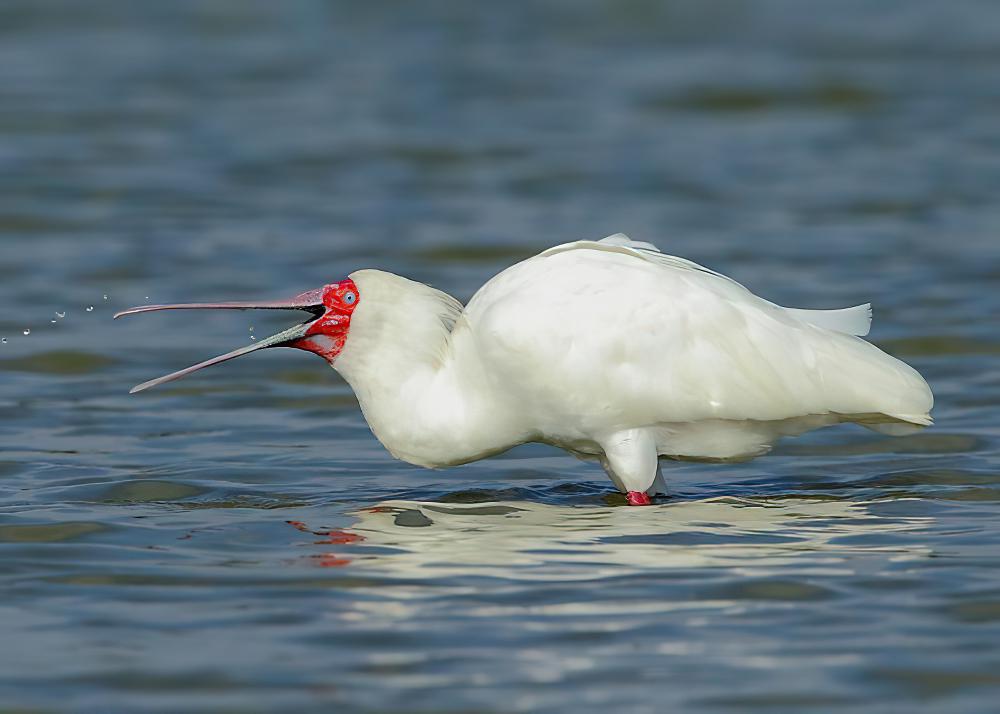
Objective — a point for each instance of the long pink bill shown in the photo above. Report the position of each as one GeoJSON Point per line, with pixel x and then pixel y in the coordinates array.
{"type": "Point", "coordinates": [311, 301]}
{"type": "Point", "coordinates": [278, 340]}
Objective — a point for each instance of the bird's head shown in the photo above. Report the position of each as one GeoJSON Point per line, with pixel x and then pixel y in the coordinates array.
{"type": "Point", "coordinates": [324, 333]}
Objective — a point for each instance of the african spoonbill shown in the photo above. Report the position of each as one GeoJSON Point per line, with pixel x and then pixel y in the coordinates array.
{"type": "Point", "coordinates": [608, 349]}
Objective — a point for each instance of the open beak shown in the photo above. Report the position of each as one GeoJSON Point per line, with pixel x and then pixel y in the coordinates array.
{"type": "Point", "coordinates": [311, 301]}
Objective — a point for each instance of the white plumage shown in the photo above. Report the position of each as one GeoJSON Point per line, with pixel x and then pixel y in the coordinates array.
{"type": "Point", "coordinates": [613, 350]}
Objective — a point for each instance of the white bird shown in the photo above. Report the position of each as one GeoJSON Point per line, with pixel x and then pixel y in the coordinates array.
{"type": "Point", "coordinates": [608, 349]}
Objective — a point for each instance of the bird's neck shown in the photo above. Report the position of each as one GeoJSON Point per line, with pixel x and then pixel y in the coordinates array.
{"type": "Point", "coordinates": [415, 370]}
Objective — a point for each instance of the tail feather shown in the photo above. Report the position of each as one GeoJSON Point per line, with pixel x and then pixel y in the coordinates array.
{"type": "Point", "coordinates": [855, 320]}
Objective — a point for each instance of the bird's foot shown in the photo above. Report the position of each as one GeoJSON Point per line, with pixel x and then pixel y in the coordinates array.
{"type": "Point", "coordinates": [638, 498]}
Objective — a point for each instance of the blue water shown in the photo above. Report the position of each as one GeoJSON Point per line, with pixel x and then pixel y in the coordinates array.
{"type": "Point", "coordinates": [825, 154]}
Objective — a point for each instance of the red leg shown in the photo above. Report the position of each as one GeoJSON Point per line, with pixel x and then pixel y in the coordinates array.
{"type": "Point", "coordinates": [638, 498]}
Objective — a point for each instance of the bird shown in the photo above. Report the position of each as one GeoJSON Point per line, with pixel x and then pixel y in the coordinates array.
{"type": "Point", "coordinates": [610, 350]}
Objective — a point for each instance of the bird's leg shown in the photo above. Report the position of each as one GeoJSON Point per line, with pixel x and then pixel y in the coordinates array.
{"type": "Point", "coordinates": [659, 487]}
{"type": "Point", "coordinates": [633, 465]}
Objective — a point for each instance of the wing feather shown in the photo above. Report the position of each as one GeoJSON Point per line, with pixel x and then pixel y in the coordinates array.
{"type": "Point", "coordinates": [623, 339]}
{"type": "Point", "coordinates": [849, 320]}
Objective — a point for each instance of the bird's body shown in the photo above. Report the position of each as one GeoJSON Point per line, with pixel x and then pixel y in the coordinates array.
{"type": "Point", "coordinates": [615, 351]}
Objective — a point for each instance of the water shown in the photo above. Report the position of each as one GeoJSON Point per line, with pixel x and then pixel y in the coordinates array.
{"type": "Point", "coordinates": [238, 540]}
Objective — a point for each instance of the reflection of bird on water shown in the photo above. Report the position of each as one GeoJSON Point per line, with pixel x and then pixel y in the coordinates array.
{"type": "Point", "coordinates": [524, 540]}
{"type": "Point", "coordinates": [609, 349]}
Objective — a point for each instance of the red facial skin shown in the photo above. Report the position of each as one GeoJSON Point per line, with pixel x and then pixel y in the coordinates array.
{"type": "Point", "coordinates": [326, 336]}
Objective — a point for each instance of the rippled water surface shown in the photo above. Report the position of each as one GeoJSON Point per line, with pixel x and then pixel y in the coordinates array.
{"type": "Point", "coordinates": [240, 542]}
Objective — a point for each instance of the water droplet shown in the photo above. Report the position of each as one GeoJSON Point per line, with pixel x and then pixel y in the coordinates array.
{"type": "Point", "coordinates": [252, 338]}
{"type": "Point", "coordinates": [60, 315]}
{"type": "Point", "coordinates": [105, 297]}
{"type": "Point", "coordinates": [27, 331]}
{"type": "Point", "coordinates": [52, 321]}
{"type": "Point", "coordinates": [3, 340]}
{"type": "Point", "coordinates": [147, 297]}
{"type": "Point", "coordinates": [90, 309]}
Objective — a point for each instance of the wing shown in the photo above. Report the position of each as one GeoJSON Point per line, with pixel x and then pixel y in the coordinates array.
{"type": "Point", "coordinates": [615, 332]}
{"type": "Point", "coordinates": [849, 320]}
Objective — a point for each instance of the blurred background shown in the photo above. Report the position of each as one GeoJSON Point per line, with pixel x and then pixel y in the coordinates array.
{"type": "Point", "coordinates": [824, 154]}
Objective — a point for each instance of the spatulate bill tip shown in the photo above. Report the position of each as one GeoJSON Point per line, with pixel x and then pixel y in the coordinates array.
{"type": "Point", "coordinates": [131, 311]}
{"type": "Point", "coordinates": [145, 385]}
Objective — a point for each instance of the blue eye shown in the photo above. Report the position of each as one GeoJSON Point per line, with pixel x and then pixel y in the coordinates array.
{"type": "Point", "coordinates": [350, 298]}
